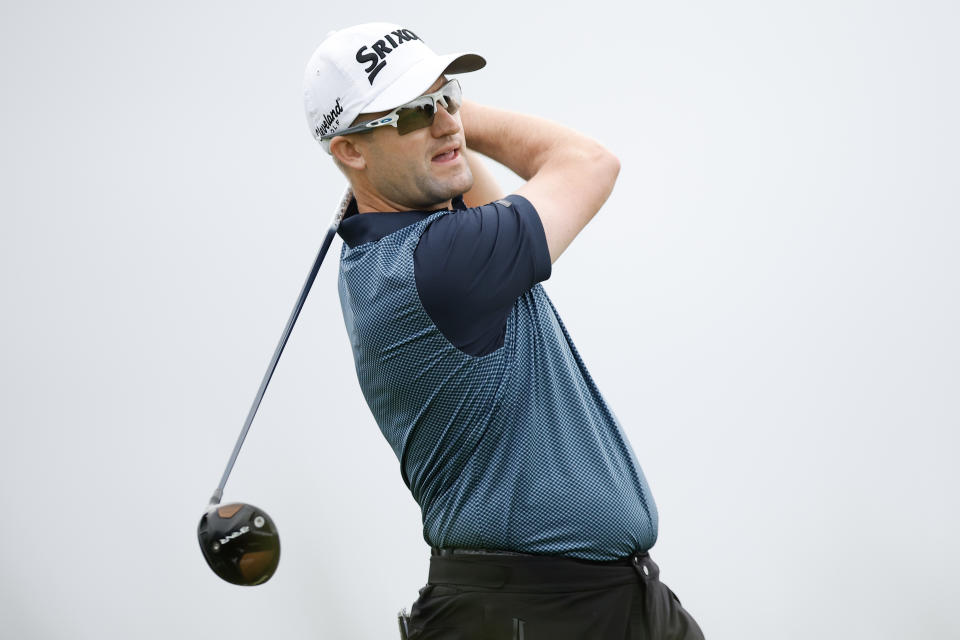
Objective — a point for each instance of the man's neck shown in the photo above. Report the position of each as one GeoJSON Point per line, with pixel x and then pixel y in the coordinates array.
{"type": "Point", "coordinates": [368, 202]}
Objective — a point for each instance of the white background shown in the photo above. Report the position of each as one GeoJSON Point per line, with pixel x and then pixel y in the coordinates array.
{"type": "Point", "coordinates": [769, 301]}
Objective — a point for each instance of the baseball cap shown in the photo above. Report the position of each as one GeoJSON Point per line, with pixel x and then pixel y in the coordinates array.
{"type": "Point", "coordinates": [368, 68]}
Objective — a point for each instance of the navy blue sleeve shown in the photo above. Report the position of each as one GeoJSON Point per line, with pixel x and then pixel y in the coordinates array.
{"type": "Point", "coordinates": [472, 265]}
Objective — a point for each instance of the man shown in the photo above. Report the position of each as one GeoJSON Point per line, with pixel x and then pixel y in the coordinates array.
{"type": "Point", "coordinates": [537, 511]}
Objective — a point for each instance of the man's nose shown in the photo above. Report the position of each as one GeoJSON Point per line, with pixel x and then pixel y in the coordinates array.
{"type": "Point", "coordinates": [444, 124]}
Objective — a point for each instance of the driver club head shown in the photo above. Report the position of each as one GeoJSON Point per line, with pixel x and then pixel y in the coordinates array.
{"type": "Point", "coordinates": [240, 543]}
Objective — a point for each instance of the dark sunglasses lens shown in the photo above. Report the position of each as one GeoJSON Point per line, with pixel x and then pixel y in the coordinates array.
{"type": "Point", "coordinates": [413, 118]}
{"type": "Point", "coordinates": [453, 97]}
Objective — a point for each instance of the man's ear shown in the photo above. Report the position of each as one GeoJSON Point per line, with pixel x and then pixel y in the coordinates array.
{"type": "Point", "coordinates": [349, 154]}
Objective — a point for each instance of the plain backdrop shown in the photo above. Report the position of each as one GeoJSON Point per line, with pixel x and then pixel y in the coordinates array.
{"type": "Point", "coordinates": [769, 301]}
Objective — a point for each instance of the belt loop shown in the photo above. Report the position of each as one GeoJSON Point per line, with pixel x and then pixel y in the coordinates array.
{"type": "Point", "coordinates": [646, 568]}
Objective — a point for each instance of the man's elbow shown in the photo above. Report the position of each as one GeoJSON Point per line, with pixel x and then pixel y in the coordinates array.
{"type": "Point", "coordinates": [604, 164]}
{"type": "Point", "coordinates": [611, 166]}
{"type": "Point", "coordinates": [606, 168]}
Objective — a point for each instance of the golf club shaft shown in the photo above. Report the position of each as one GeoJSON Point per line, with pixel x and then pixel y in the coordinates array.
{"type": "Point", "coordinates": [344, 202]}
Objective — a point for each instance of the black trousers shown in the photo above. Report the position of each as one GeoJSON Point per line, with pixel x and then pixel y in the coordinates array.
{"type": "Point", "coordinates": [491, 596]}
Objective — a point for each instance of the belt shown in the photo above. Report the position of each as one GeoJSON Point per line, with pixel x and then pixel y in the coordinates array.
{"type": "Point", "coordinates": [436, 551]}
{"type": "Point", "coordinates": [488, 568]}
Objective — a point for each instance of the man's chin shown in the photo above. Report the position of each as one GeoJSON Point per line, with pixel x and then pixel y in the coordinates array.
{"type": "Point", "coordinates": [462, 181]}
{"type": "Point", "coordinates": [443, 191]}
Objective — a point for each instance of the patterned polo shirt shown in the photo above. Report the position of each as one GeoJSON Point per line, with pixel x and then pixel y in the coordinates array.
{"type": "Point", "coordinates": [503, 438]}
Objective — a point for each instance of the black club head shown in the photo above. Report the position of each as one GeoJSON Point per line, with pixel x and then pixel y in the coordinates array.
{"type": "Point", "coordinates": [240, 543]}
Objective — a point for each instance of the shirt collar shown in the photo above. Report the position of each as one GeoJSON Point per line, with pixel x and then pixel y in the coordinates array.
{"type": "Point", "coordinates": [357, 228]}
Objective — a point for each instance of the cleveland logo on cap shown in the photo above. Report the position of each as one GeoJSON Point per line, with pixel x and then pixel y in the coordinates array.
{"type": "Point", "coordinates": [380, 49]}
{"type": "Point", "coordinates": [329, 119]}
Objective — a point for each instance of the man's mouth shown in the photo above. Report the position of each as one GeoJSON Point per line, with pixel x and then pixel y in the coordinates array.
{"type": "Point", "coordinates": [447, 156]}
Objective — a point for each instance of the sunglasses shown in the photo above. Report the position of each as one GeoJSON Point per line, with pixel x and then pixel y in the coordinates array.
{"type": "Point", "coordinates": [416, 114]}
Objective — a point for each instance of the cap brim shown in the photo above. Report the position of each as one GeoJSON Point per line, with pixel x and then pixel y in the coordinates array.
{"type": "Point", "coordinates": [420, 76]}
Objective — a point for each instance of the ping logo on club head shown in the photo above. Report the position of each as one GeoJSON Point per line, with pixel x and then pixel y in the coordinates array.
{"type": "Point", "coordinates": [236, 534]}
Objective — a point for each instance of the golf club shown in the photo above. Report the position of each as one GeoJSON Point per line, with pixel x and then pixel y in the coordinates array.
{"type": "Point", "coordinates": [240, 541]}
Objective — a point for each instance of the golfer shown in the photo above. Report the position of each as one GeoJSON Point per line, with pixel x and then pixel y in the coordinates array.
{"type": "Point", "coordinates": [536, 509]}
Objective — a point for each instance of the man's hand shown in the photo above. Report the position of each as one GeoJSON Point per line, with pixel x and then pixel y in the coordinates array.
{"type": "Point", "coordinates": [569, 176]}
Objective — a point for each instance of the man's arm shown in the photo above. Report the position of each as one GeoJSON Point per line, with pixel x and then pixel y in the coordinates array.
{"type": "Point", "coordinates": [485, 188]}
{"type": "Point", "coordinates": [569, 176]}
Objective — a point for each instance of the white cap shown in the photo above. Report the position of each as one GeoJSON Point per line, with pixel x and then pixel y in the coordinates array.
{"type": "Point", "coordinates": [368, 68]}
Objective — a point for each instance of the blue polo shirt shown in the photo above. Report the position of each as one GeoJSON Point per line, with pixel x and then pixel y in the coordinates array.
{"type": "Point", "coordinates": [502, 436]}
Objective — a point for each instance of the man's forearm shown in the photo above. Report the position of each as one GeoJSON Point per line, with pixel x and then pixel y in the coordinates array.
{"type": "Point", "coordinates": [524, 143]}
{"type": "Point", "coordinates": [568, 175]}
